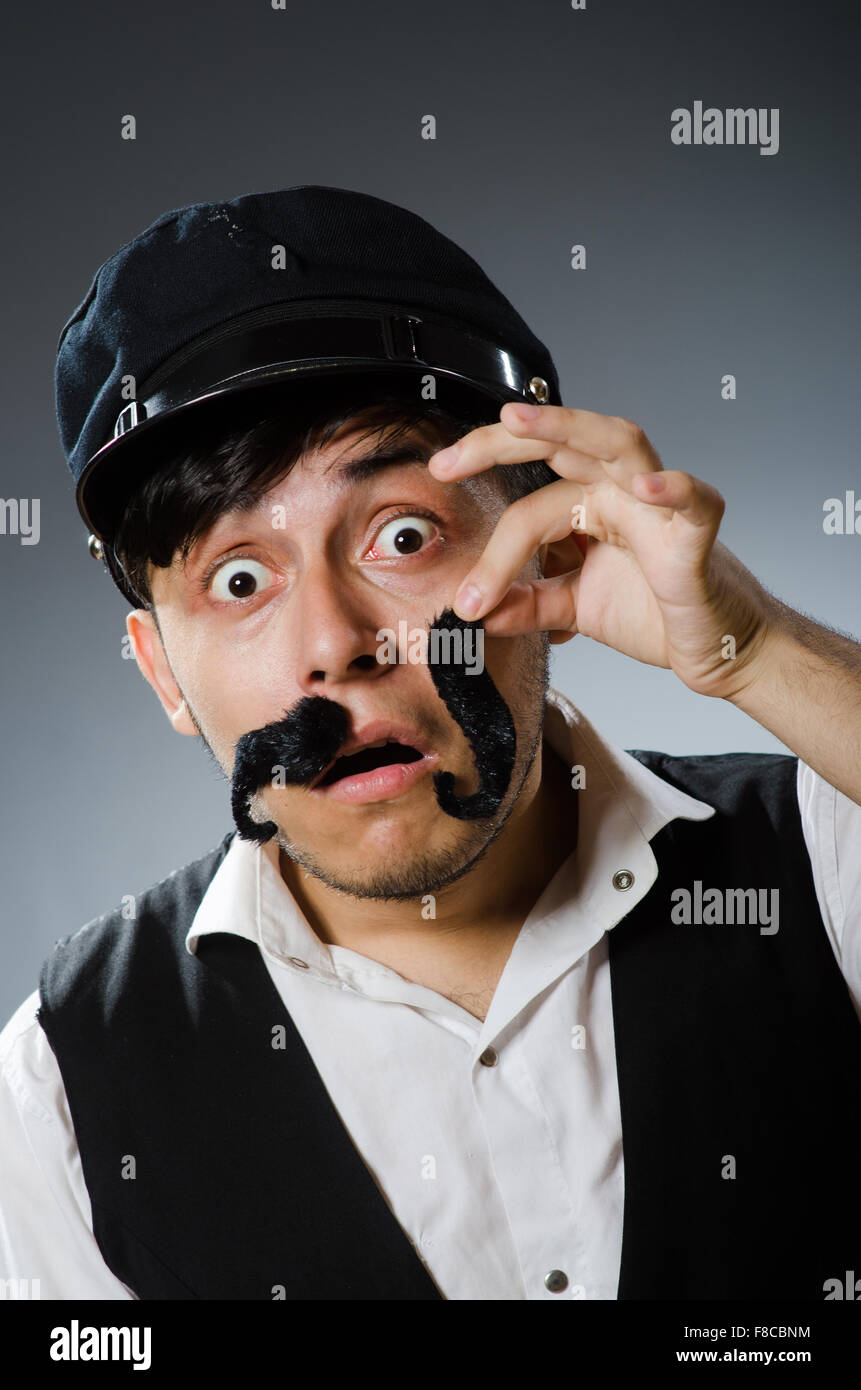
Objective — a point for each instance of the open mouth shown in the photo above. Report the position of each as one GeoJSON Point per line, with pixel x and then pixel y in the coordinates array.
{"type": "Point", "coordinates": [368, 759]}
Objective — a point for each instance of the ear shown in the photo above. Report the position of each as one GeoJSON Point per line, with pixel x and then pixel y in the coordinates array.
{"type": "Point", "coordinates": [562, 557]}
{"type": "Point", "coordinates": [153, 665]}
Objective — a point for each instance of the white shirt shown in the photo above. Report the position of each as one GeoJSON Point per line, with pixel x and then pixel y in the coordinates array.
{"type": "Point", "coordinates": [497, 1174]}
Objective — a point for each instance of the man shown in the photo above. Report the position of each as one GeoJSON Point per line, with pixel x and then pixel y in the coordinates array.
{"type": "Point", "coordinates": [472, 1004]}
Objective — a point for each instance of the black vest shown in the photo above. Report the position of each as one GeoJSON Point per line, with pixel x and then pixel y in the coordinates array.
{"type": "Point", "coordinates": [731, 1044]}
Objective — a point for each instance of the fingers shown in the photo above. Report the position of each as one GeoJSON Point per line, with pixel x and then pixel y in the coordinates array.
{"type": "Point", "coordinates": [698, 502]}
{"type": "Point", "coordinates": [539, 518]}
{"type": "Point", "coordinates": [537, 605]}
{"type": "Point", "coordinates": [591, 453]}
{"type": "Point", "coordinates": [577, 444]}
{"type": "Point", "coordinates": [691, 509]}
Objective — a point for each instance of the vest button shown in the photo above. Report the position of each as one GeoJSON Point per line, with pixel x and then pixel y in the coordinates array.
{"type": "Point", "coordinates": [623, 879]}
{"type": "Point", "coordinates": [556, 1280]}
{"type": "Point", "coordinates": [294, 960]}
{"type": "Point", "coordinates": [488, 1057]}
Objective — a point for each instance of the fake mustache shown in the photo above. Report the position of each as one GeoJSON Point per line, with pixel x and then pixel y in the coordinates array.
{"type": "Point", "coordinates": [307, 740]}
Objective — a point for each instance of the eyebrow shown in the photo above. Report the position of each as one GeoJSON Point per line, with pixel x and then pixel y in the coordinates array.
{"type": "Point", "coordinates": [368, 465]}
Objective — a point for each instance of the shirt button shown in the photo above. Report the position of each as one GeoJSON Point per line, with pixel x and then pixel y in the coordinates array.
{"type": "Point", "coordinates": [294, 960]}
{"type": "Point", "coordinates": [623, 879]}
{"type": "Point", "coordinates": [488, 1058]}
{"type": "Point", "coordinates": [556, 1280]}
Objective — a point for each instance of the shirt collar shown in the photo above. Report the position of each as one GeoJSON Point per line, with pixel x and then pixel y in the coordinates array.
{"type": "Point", "coordinates": [622, 807]}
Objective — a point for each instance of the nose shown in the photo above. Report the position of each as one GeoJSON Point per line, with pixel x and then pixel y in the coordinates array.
{"type": "Point", "coordinates": [335, 633]}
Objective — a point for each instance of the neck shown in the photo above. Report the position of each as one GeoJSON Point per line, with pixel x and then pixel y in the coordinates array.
{"type": "Point", "coordinates": [479, 916]}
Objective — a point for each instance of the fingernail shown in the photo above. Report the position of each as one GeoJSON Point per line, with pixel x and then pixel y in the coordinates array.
{"type": "Point", "coordinates": [446, 458]}
{"type": "Point", "coordinates": [527, 412]}
{"type": "Point", "coordinates": [654, 481]}
{"type": "Point", "coordinates": [468, 600]}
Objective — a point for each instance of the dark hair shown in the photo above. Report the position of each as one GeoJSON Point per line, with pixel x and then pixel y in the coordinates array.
{"type": "Point", "coordinates": [193, 487]}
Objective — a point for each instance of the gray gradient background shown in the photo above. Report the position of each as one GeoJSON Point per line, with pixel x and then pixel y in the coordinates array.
{"type": "Point", "coordinates": [553, 128]}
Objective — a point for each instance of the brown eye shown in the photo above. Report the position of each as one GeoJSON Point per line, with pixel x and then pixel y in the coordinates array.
{"type": "Point", "coordinates": [239, 578]}
{"type": "Point", "coordinates": [403, 535]}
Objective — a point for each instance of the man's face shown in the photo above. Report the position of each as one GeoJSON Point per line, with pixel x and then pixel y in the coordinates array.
{"type": "Point", "coordinates": [286, 601]}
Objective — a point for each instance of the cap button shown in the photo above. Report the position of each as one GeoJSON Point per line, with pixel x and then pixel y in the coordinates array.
{"type": "Point", "coordinates": [95, 547]}
{"type": "Point", "coordinates": [539, 388]}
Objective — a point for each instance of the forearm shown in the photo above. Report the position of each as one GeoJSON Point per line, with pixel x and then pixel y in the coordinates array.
{"type": "Point", "coordinates": [807, 692]}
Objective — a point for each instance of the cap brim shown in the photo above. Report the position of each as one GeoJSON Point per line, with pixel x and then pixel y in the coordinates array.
{"type": "Point", "coordinates": [115, 472]}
